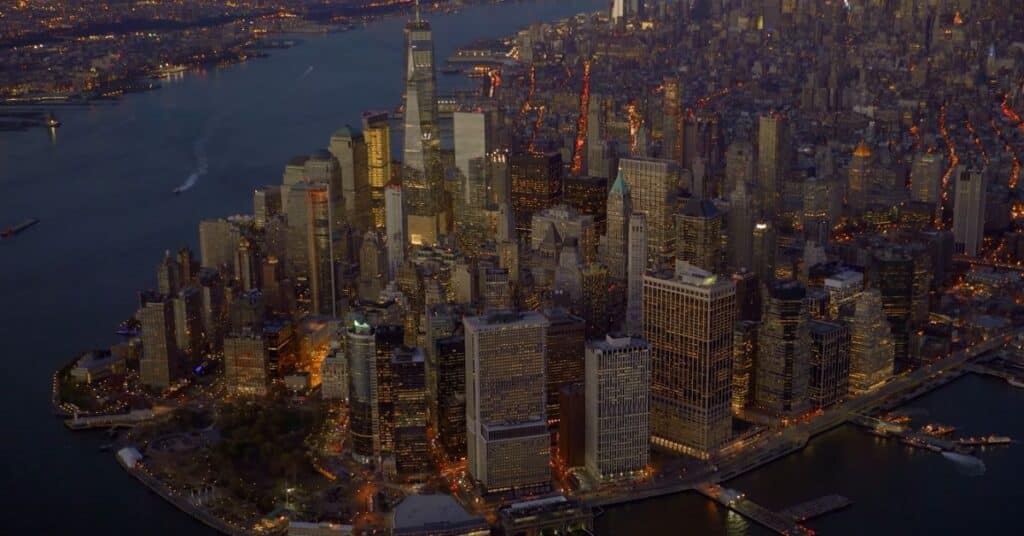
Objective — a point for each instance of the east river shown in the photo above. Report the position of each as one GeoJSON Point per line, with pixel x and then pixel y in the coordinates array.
{"type": "Point", "coordinates": [102, 190]}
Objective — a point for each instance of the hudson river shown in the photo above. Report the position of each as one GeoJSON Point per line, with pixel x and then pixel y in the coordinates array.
{"type": "Point", "coordinates": [103, 192]}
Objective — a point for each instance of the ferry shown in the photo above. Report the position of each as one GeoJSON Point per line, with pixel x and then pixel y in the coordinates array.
{"type": "Point", "coordinates": [50, 121]}
{"type": "Point", "coordinates": [11, 231]}
{"type": "Point", "coordinates": [936, 430]}
{"type": "Point", "coordinates": [988, 440]}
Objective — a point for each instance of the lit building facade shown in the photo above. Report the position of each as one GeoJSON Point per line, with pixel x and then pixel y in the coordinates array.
{"type": "Point", "coordinates": [617, 399]}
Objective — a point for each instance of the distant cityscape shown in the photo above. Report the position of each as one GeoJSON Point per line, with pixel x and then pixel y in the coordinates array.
{"type": "Point", "coordinates": [651, 249]}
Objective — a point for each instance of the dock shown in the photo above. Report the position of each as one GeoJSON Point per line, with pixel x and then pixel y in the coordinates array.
{"type": "Point", "coordinates": [817, 507]}
{"type": "Point", "coordinates": [776, 521]}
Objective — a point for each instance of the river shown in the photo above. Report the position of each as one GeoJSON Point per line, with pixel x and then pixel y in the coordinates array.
{"type": "Point", "coordinates": [102, 191]}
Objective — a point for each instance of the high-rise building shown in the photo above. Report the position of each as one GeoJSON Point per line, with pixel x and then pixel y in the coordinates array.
{"type": "Point", "coordinates": [364, 414]}
{"type": "Point", "coordinates": [266, 204]}
{"type": "Point", "coordinates": [688, 321]}
{"type": "Point", "coordinates": [564, 359]}
{"type": "Point", "coordinates": [617, 387]}
{"type": "Point", "coordinates": [247, 268]}
{"type": "Point", "coordinates": [926, 177]}
{"type": "Point", "coordinates": [699, 235]}
{"type": "Point", "coordinates": [671, 120]}
{"type": "Point", "coordinates": [969, 212]}
{"type": "Point", "coordinates": [451, 396]}
{"type": "Point", "coordinates": [386, 338]}
{"type": "Point", "coordinates": [744, 353]}
{"type": "Point", "coordinates": [783, 351]}
{"type": "Point", "coordinates": [892, 273]}
{"type": "Point", "coordinates": [397, 234]}
{"type": "Point", "coordinates": [741, 226]}
{"type": "Point", "coordinates": [763, 241]}
{"type": "Point", "coordinates": [636, 268]}
{"type": "Point", "coordinates": [589, 196]}
{"type": "Point", "coordinates": [217, 242]}
{"type": "Point", "coordinates": [617, 238]}
{"type": "Point", "coordinates": [773, 159]}
{"type": "Point", "coordinates": [409, 391]}
{"type": "Point", "coordinates": [739, 166]}
{"type": "Point", "coordinates": [189, 335]}
{"type": "Point", "coordinates": [472, 138]}
{"type": "Point", "coordinates": [872, 353]}
{"type": "Point", "coordinates": [159, 365]}
{"type": "Point", "coordinates": [536, 185]}
{"type": "Point", "coordinates": [377, 135]}
{"type": "Point", "coordinates": [830, 363]}
{"type": "Point", "coordinates": [334, 375]}
{"type": "Point", "coordinates": [861, 179]}
{"type": "Point", "coordinates": [311, 245]}
{"type": "Point", "coordinates": [246, 363]}
{"type": "Point", "coordinates": [652, 186]}
{"type": "Point", "coordinates": [349, 148]}
{"type": "Point", "coordinates": [569, 224]}
{"type": "Point", "coordinates": [748, 295]}
{"type": "Point", "coordinates": [572, 429]}
{"type": "Point", "coordinates": [841, 287]}
{"type": "Point", "coordinates": [496, 289]}
{"type": "Point", "coordinates": [506, 423]}
{"type": "Point", "coordinates": [373, 267]}
{"type": "Point", "coordinates": [593, 306]}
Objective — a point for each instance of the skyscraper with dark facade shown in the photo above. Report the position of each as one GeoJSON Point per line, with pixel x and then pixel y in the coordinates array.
{"type": "Point", "coordinates": [451, 396]}
{"type": "Point", "coordinates": [536, 185]}
{"type": "Point", "coordinates": [409, 390]}
{"type": "Point", "coordinates": [698, 228]}
{"type": "Point", "coordinates": [784, 353]}
{"type": "Point", "coordinates": [830, 363]}
{"type": "Point", "coordinates": [564, 359]}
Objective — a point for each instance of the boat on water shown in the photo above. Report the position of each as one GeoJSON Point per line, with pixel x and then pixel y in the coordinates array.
{"type": "Point", "coordinates": [936, 430]}
{"type": "Point", "coordinates": [986, 440]}
{"type": "Point", "coordinates": [51, 121]}
{"type": "Point", "coordinates": [15, 229]}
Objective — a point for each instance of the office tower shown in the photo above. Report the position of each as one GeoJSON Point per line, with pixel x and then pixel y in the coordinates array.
{"type": "Point", "coordinates": [841, 287]}
{"type": "Point", "coordinates": [373, 268]}
{"type": "Point", "coordinates": [860, 179]}
{"type": "Point", "coordinates": [594, 303]}
{"type": "Point", "coordinates": [386, 338]}
{"type": "Point", "coordinates": [470, 207]}
{"type": "Point", "coordinates": [322, 169]}
{"type": "Point", "coordinates": [451, 396]}
{"type": "Point", "coordinates": [926, 178]}
{"type": "Point", "coordinates": [773, 158]}
{"type": "Point", "coordinates": [636, 268]}
{"type": "Point", "coordinates": [688, 321]}
{"type": "Point", "coordinates": [422, 177]}
{"type": "Point", "coordinates": [763, 251]}
{"type": "Point", "coordinates": [496, 291]}
{"type": "Point", "coordinates": [409, 390]}
{"type": "Point", "coordinates": [506, 425]}
{"type": "Point", "coordinates": [472, 138]}
{"type": "Point", "coordinates": [246, 366]}
{"type": "Point", "coordinates": [364, 414]}
{"type": "Point", "coordinates": [572, 429]}
{"type": "Point", "coordinates": [820, 206]}
{"type": "Point", "coordinates": [536, 185]}
{"type": "Point", "coordinates": [211, 288]}
{"type": "Point", "coordinates": [565, 341]}
{"type": "Point", "coordinates": [617, 239]}
{"type": "Point", "coordinates": [377, 135]}
{"type": "Point", "coordinates": [311, 245]}
{"type": "Point", "coordinates": [741, 226]}
{"type": "Point", "coordinates": [569, 225]}
{"type": "Point", "coordinates": [739, 166]}
{"type": "Point", "coordinates": [350, 150]}
{"type": "Point", "coordinates": [744, 359]}
{"type": "Point", "coordinates": [783, 351]}
{"type": "Point", "coordinates": [247, 268]}
{"type": "Point", "coordinates": [187, 266]}
{"type": "Point", "coordinates": [334, 374]}
{"type": "Point", "coordinates": [589, 196]}
{"type": "Point", "coordinates": [830, 363]}
{"type": "Point", "coordinates": [266, 202]}
{"type": "Point", "coordinates": [652, 185]}
{"type": "Point", "coordinates": [698, 230]}
{"type": "Point", "coordinates": [618, 385]}
{"type": "Point", "coordinates": [247, 309]}
{"type": "Point", "coordinates": [969, 212]}
{"type": "Point", "coordinates": [671, 120]}
{"type": "Point", "coordinates": [397, 234]}
{"type": "Point", "coordinates": [919, 306]}
{"type": "Point", "coordinates": [294, 173]}
{"type": "Point", "coordinates": [188, 322]}
{"type": "Point", "coordinates": [168, 274]}
{"type": "Point", "coordinates": [599, 157]}
{"type": "Point", "coordinates": [892, 273]}
{"type": "Point", "coordinates": [159, 365]}
{"type": "Point", "coordinates": [872, 356]}
{"type": "Point", "coordinates": [748, 295]}
{"type": "Point", "coordinates": [217, 242]}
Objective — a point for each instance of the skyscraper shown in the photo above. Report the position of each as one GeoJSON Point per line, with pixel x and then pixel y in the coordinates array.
{"type": "Point", "coordinates": [246, 363]}
{"type": "Point", "coordinates": [377, 135]}
{"type": "Point", "coordinates": [364, 415]}
{"type": "Point", "coordinates": [409, 391]}
{"type": "Point", "coordinates": [699, 235]}
{"type": "Point", "coordinates": [652, 185]}
{"type": "Point", "coordinates": [311, 245]}
{"type": "Point", "coordinates": [594, 304]}
{"type": "Point", "coordinates": [743, 363]}
{"type": "Point", "coordinates": [395, 221]}
{"type": "Point", "coordinates": [637, 267]}
{"type": "Point", "coordinates": [688, 321]}
{"type": "Point", "coordinates": [349, 148]}
{"type": "Point", "coordinates": [892, 273]}
{"type": "Point", "coordinates": [506, 423]}
{"type": "Point", "coordinates": [861, 179]}
{"type": "Point", "coordinates": [741, 224]}
{"type": "Point", "coordinates": [620, 208]}
{"type": "Point", "coordinates": [159, 364]}
{"type": "Point", "coordinates": [451, 396]}
{"type": "Point", "coordinates": [871, 349]}
{"type": "Point", "coordinates": [784, 351]}
{"type": "Point", "coordinates": [763, 251]}
{"type": "Point", "coordinates": [969, 212]}
{"type": "Point", "coordinates": [830, 363]}
{"type": "Point", "coordinates": [773, 158]}
{"type": "Point", "coordinates": [564, 346]}
{"type": "Point", "coordinates": [926, 177]}
{"type": "Point", "coordinates": [617, 400]}
{"type": "Point", "coordinates": [536, 185]}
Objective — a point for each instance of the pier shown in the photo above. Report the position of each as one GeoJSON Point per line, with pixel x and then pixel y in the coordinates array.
{"type": "Point", "coordinates": [736, 501]}
{"type": "Point", "coordinates": [817, 507]}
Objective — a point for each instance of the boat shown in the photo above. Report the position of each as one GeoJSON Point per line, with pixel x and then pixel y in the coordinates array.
{"type": "Point", "coordinates": [50, 121]}
{"type": "Point", "coordinates": [11, 231]}
{"type": "Point", "coordinates": [936, 430]}
{"type": "Point", "coordinates": [986, 440]}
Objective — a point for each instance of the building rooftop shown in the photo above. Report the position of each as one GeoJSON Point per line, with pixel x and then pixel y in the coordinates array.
{"type": "Point", "coordinates": [418, 511]}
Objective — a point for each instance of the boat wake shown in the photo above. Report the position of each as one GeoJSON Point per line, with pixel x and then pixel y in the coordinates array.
{"type": "Point", "coordinates": [306, 72]}
{"type": "Point", "coordinates": [202, 162]}
{"type": "Point", "coordinates": [968, 465]}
